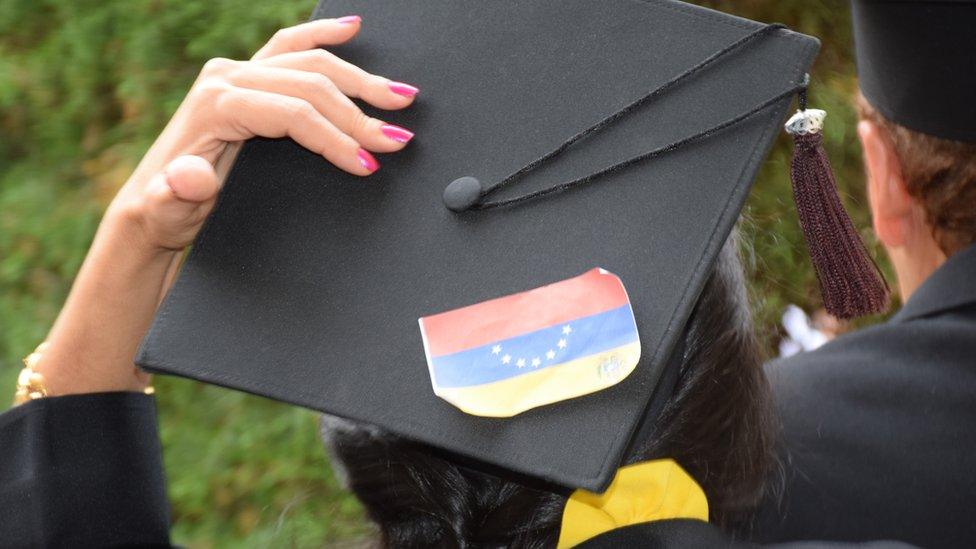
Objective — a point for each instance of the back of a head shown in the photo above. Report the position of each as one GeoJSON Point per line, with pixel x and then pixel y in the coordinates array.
{"type": "Point", "coordinates": [716, 424]}
{"type": "Point", "coordinates": [940, 174]}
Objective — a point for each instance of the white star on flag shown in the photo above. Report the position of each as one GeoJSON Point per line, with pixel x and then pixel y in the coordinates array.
{"type": "Point", "coordinates": [550, 354]}
{"type": "Point", "coordinates": [496, 349]}
{"type": "Point", "coordinates": [567, 329]}
{"type": "Point", "coordinates": [520, 362]}
{"type": "Point", "coordinates": [536, 362]}
{"type": "Point", "coordinates": [506, 359]}
{"type": "Point", "coordinates": [561, 344]}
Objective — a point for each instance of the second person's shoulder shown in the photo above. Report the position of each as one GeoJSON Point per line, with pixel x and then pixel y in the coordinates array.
{"type": "Point", "coordinates": [859, 348]}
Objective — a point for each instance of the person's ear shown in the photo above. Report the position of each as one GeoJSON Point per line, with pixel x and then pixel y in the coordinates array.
{"type": "Point", "coordinates": [891, 206]}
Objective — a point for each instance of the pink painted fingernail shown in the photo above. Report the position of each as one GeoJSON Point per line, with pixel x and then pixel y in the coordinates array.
{"type": "Point", "coordinates": [396, 133]}
{"type": "Point", "coordinates": [349, 20]}
{"type": "Point", "coordinates": [405, 90]}
{"type": "Point", "coordinates": [367, 160]}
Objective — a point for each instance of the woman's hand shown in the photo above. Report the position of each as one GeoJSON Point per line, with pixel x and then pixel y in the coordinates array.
{"type": "Point", "coordinates": [289, 88]}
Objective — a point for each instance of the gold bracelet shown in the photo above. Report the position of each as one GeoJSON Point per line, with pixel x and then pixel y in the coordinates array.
{"type": "Point", "coordinates": [30, 384]}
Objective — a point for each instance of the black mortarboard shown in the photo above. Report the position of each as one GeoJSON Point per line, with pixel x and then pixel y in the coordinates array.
{"type": "Point", "coordinates": [306, 284]}
{"type": "Point", "coordinates": [915, 63]}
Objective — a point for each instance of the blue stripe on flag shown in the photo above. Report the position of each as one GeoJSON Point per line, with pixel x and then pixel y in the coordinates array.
{"type": "Point", "coordinates": [581, 337]}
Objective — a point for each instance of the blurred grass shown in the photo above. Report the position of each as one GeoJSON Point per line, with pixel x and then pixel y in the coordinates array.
{"type": "Point", "coordinates": [84, 88]}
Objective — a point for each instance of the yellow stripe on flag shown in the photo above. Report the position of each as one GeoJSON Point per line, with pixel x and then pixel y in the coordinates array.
{"type": "Point", "coordinates": [514, 395]}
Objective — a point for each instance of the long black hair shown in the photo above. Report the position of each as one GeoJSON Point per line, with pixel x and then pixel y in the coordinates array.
{"type": "Point", "coordinates": [716, 424]}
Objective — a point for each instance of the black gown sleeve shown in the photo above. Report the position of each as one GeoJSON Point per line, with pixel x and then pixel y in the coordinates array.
{"type": "Point", "coordinates": [82, 471]}
{"type": "Point", "coordinates": [683, 533]}
{"type": "Point", "coordinates": [664, 534]}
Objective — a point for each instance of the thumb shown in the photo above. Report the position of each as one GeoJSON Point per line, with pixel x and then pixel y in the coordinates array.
{"type": "Point", "coordinates": [191, 179]}
{"type": "Point", "coordinates": [178, 200]}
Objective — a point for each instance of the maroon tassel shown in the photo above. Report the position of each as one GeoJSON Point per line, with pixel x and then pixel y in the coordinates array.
{"type": "Point", "coordinates": [850, 281]}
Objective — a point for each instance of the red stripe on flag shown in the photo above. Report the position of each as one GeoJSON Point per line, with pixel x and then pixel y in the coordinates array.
{"type": "Point", "coordinates": [517, 314]}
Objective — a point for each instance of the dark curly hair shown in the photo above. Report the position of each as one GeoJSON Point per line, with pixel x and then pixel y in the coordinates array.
{"type": "Point", "coordinates": [716, 424]}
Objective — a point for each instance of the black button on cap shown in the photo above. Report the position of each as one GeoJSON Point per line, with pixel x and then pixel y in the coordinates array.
{"type": "Point", "coordinates": [462, 193]}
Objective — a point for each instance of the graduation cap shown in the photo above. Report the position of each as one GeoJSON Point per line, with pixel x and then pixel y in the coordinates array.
{"type": "Point", "coordinates": [578, 166]}
{"type": "Point", "coordinates": [915, 64]}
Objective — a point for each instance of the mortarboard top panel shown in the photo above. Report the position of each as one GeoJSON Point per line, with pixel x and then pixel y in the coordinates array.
{"type": "Point", "coordinates": [306, 283]}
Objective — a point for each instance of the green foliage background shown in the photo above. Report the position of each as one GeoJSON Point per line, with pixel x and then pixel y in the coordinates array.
{"type": "Point", "coordinates": [86, 85]}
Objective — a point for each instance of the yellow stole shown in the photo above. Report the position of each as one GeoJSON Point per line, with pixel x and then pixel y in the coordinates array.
{"type": "Point", "coordinates": [643, 492]}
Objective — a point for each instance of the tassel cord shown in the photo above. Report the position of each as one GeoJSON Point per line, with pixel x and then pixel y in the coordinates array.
{"type": "Point", "coordinates": [704, 134]}
{"type": "Point", "coordinates": [688, 73]}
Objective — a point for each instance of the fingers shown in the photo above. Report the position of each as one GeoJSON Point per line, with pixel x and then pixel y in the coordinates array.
{"type": "Point", "coordinates": [292, 88]}
{"type": "Point", "coordinates": [246, 113]}
{"type": "Point", "coordinates": [350, 79]}
{"type": "Point", "coordinates": [318, 90]}
{"type": "Point", "coordinates": [314, 34]}
{"type": "Point", "coordinates": [298, 48]}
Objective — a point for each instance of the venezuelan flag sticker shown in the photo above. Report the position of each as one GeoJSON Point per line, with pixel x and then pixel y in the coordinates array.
{"type": "Point", "coordinates": [502, 357]}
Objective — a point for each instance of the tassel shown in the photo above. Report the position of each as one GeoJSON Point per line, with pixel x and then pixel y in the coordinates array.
{"type": "Point", "coordinates": [850, 281]}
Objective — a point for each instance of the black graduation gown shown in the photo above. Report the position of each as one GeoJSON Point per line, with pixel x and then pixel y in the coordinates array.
{"type": "Point", "coordinates": [82, 471]}
{"type": "Point", "coordinates": [686, 533]}
{"type": "Point", "coordinates": [87, 471]}
{"type": "Point", "coordinates": [879, 426]}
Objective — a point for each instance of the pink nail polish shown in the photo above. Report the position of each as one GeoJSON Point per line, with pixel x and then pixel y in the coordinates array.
{"type": "Point", "coordinates": [405, 90]}
{"type": "Point", "coordinates": [349, 20]}
{"type": "Point", "coordinates": [396, 133]}
{"type": "Point", "coordinates": [367, 160]}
